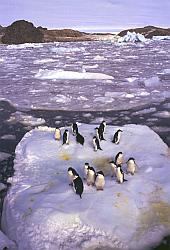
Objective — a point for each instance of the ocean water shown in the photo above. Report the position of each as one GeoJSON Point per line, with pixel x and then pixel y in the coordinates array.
{"type": "Point", "coordinates": [57, 83]}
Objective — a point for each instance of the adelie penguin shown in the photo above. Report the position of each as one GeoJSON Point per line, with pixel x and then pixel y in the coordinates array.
{"type": "Point", "coordinates": [113, 168]}
{"type": "Point", "coordinates": [74, 127]}
{"type": "Point", "coordinates": [57, 134]}
{"type": "Point", "coordinates": [96, 144]}
{"type": "Point", "coordinates": [116, 137]}
{"type": "Point", "coordinates": [100, 180]}
{"type": "Point", "coordinates": [80, 139]}
{"type": "Point", "coordinates": [120, 174]}
{"type": "Point", "coordinates": [103, 126]}
{"type": "Point", "coordinates": [131, 166]}
{"type": "Point", "coordinates": [66, 137]}
{"type": "Point", "coordinates": [86, 165]}
{"type": "Point", "coordinates": [78, 185]}
{"type": "Point", "coordinates": [91, 175]}
{"type": "Point", "coordinates": [71, 174]}
{"type": "Point", "coordinates": [99, 134]}
{"type": "Point", "coordinates": [119, 158]}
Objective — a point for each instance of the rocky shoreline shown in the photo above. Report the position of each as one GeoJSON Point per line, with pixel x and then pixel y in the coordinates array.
{"type": "Point", "coordinates": [23, 31]}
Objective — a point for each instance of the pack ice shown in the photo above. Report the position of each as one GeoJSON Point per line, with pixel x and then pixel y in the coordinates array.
{"type": "Point", "coordinates": [41, 210]}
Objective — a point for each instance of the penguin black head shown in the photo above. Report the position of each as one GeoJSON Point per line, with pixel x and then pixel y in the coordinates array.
{"type": "Point", "coordinates": [86, 163]}
{"type": "Point", "coordinates": [100, 172]}
{"type": "Point", "coordinates": [119, 130]}
{"type": "Point", "coordinates": [131, 159]}
{"type": "Point", "coordinates": [74, 172]}
{"type": "Point", "coordinates": [66, 130]}
{"type": "Point", "coordinates": [91, 168]}
{"type": "Point", "coordinates": [112, 162]}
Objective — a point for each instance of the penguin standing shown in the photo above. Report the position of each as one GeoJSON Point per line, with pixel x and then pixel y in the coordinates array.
{"type": "Point", "coordinates": [79, 138]}
{"type": "Point", "coordinates": [86, 165]}
{"type": "Point", "coordinates": [57, 134]}
{"type": "Point", "coordinates": [78, 185]}
{"type": "Point", "coordinates": [131, 166]}
{"type": "Point", "coordinates": [116, 137]}
{"type": "Point", "coordinates": [120, 174]}
{"type": "Point", "coordinates": [66, 137]}
{"type": "Point", "coordinates": [71, 174]}
{"type": "Point", "coordinates": [119, 158]}
{"type": "Point", "coordinates": [96, 144]}
{"type": "Point", "coordinates": [99, 133]}
{"type": "Point", "coordinates": [102, 126]}
{"type": "Point", "coordinates": [74, 127]}
{"type": "Point", "coordinates": [113, 168]}
{"type": "Point", "coordinates": [100, 180]}
{"type": "Point", "coordinates": [91, 175]}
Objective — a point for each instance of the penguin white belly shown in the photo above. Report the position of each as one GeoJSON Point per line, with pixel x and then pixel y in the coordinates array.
{"type": "Point", "coordinates": [57, 135]}
{"type": "Point", "coordinates": [119, 176]}
{"type": "Point", "coordinates": [100, 182]}
{"type": "Point", "coordinates": [119, 160]}
{"type": "Point", "coordinates": [71, 177]}
{"type": "Point", "coordinates": [113, 170]}
{"type": "Point", "coordinates": [118, 139]}
{"type": "Point", "coordinates": [95, 145]}
{"type": "Point", "coordinates": [90, 178]}
{"type": "Point", "coordinates": [131, 167]}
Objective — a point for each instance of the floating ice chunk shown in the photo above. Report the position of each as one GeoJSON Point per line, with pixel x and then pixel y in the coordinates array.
{"type": "Point", "coordinates": [152, 82]}
{"type": "Point", "coordinates": [132, 37]}
{"type": "Point", "coordinates": [95, 66]}
{"type": "Point", "coordinates": [131, 79]}
{"type": "Point", "coordinates": [144, 111]}
{"type": "Point", "coordinates": [104, 99]}
{"type": "Point", "coordinates": [129, 95]}
{"type": "Point", "coordinates": [1, 60]}
{"type": "Point", "coordinates": [63, 50]}
{"type": "Point", "coordinates": [25, 46]}
{"type": "Point", "coordinates": [63, 74]}
{"type": "Point", "coordinates": [8, 137]}
{"type": "Point", "coordinates": [143, 93]}
{"type": "Point", "coordinates": [42, 61]}
{"type": "Point", "coordinates": [160, 38]}
{"type": "Point", "coordinates": [82, 98]}
{"type": "Point", "coordinates": [166, 71]}
{"type": "Point", "coordinates": [162, 114]}
{"type": "Point", "coordinates": [61, 98]}
{"type": "Point", "coordinates": [99, 58]}
{"type": "Point", "coordinates": [25, 119]}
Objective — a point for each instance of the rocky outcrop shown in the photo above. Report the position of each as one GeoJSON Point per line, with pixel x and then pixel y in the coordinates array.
{"type": "Point", "coordinates": [148, 31]}
{"type": "Point", "coordinates": [22, 32]}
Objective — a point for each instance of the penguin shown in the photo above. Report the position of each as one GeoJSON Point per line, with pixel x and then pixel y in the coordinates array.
{"type": "Point", "coordinates": [131, 166]}
{"type": "Point", "coordinates": [71, 174]}
{"type": "Point", "coordinates": [113, 168]}
{"type": "Point", "coordinates": [103, 126]}
{"type": "Point", "coordinates": [116, 137]}
{"type": "Point", "coordinates": [66, 137]}
{"type": "Point", "coordinates": [74, 128]}
{"type": "Point", "coordinates": [96, 143]}
{"type": "Point", "coordinates": [97, 133]}
{"type": "Point", "coordinates": [78, 185]}
{"type": "Point", "coordinates": [120, 174]}
{"type": "Point", "coordinates": [119, 158]}
{"type": "Point", "coordinates": [86, 165]}
{"type": "Point", "coordinates": [100, 180]}
{"type": "Point", "coordinates": [80, 139]}
{"type": "Point", "coordinates": [57, 134]}
{"type": "Point", "coordinates": [90, 176]}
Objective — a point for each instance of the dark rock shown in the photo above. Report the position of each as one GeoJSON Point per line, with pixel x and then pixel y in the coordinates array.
{"type": "Point", "coordinates": [22, 32]}
{"type": "Point", "coordinates": [148, 31]}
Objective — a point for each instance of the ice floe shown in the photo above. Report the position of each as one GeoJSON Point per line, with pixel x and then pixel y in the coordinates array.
{"type": "Point", "coordinates": [25, 46]}
{"type": "Point", "coordinates": [63, 50]}
{"type": "Point", "coordinates": [41, 211]}
{"type": "Point", "coordinates": [25, 119]}
{"type": "Point", "coordinates": [64, 74]}
{"type": "Point", "coordinates": [152, 82]}
{"type": "Point", "coordinates": [42, 61]}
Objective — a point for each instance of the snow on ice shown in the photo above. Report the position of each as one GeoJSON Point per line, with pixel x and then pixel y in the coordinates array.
{"type": "Point", "coordinates": [41, 211]}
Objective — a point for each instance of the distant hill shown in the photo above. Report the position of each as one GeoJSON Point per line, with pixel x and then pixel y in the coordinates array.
{"type": "Point", "coordinates": [148, 31]}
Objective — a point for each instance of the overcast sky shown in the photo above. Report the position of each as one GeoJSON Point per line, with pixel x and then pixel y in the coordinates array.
{"type": "Point", "coordinates": [87, 14]}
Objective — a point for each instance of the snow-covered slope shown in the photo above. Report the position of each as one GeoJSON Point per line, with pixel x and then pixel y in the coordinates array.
{"type": "Point", "coordinates": [41, 211]}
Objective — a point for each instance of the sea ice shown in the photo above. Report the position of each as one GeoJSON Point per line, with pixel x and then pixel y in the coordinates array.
{"type": "Point", "coordinates": [25, 46]}
{"type": "Point", "coordinates": [152, 82]}
{"type": "Point", "coordinates": [63, 74]}
{"type": "Point", "coordinates": [41, 211]}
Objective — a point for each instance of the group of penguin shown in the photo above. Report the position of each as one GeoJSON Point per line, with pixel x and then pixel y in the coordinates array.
{"type": "Point", "coordinates": [92, 177]}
